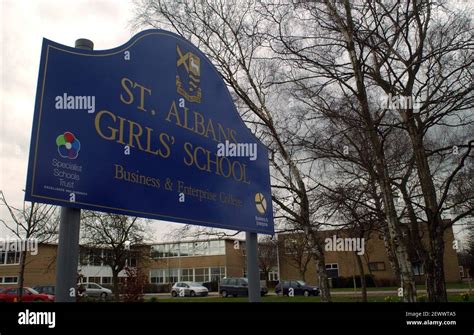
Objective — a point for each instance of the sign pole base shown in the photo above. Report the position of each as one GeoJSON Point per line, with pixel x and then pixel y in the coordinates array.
{"type": "Point", "coordinates": [68, 255]}
{"type": "Point", "coordinates": [253, 271]}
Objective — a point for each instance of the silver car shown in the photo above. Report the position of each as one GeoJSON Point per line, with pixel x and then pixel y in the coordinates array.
{"type": "Point", "coordinates": [188, 288]}
{"type": "Point", "coordinates": [95, 290]}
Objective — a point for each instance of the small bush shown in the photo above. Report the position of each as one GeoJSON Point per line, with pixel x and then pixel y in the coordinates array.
{"type": "Point", "coordinates": [134, 285]}
{"type": "Point", "coordinates": [388, 299]}
{"type": "Point", "coordinates": [422, 298]}
{"type": "Point", "coordinates": [465, 296]}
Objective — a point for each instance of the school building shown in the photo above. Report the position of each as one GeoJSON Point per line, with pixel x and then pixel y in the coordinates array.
{"type": "Point", "coordinates": [213, 259]}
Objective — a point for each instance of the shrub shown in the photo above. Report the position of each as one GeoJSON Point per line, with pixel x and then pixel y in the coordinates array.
{"type": "Point", "coordinates": [422, 298]}
{"type": "Point", "coordinates": [388, 299]}
{"type": "Point", "coordinates": [465, 296]}
{"type": "Point", "coordinates": [134, 285]}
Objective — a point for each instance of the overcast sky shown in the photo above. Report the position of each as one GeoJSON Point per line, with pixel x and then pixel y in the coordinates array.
{"type": "Point", "coordinates": [24, 23]}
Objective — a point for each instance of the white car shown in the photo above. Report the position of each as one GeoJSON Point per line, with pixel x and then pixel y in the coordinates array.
{"type": "Point", "coordinates": [188, 288]}
{"type": "Point", "coordinates": [95, 290]}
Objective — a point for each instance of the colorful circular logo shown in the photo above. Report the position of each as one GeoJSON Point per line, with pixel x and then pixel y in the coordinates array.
{"type": "Point", "coordinates": [260, 203]}
{"type": "Point", "coordinates": [68, 145]}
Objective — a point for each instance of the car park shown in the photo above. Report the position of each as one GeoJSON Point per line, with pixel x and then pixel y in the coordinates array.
{"type": "Point", "coordinates": [237, 287]}
{"type": "Point", "coordinates": [191, 289]}
{"type": "Point", "coordinates": [296, 287]}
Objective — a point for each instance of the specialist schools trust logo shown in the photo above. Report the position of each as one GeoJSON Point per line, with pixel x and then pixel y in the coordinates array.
{"type": "Point", "coordinates": [68, 145]}
{"type": "Point", "coordinates": [188, 76]}
{"type": "Point", "coordinates": [260, 203]}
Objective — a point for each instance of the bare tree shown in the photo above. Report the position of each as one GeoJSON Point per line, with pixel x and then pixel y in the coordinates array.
{"type": "Point", "coordinates": [232, 35]}
{"type": "Point", "coordinates": [349, 54]}
{"type": "Point", "coordinates": [113, 239]}
{"type": "Point", "coordinates": [267, 255]}
{"type": "Point", "coordinates": [32, 221]}
{"type": "Point", "coordinates": [297, 248]}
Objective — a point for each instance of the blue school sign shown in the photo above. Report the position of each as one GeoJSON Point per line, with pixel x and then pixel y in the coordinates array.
{"type": "Point", "coordinates": [147, 129]}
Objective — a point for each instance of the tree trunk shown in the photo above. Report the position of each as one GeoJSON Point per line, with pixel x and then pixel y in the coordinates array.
{"type": "Point", "coordinates": [363, 283]}
{"type": "Point", "coordinates": [437, 283]}
{"type": "Point", "coordinates": [21, 275]}
{"type": "Point", "coordinates": [303, 275]}
{"type": "Point", "coordinates": [323, 280]}
{"type": "Point", "coordinates": [115, 280]}
{"type": "Point", "coordinates": [434, 273]}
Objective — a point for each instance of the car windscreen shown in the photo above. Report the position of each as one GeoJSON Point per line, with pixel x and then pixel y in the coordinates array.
{"type": "Point", "coordinates": [302, 283]}
{"type": "Point", "coordinates": [33, 291]}
{"type": "Point", "coordinates": [193, 284]}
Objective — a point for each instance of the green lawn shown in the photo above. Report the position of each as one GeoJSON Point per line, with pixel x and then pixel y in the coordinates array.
{"type": "Point", "coordinates": [451, 298]}
{"type": "Point", "coordinates": [393, 288]}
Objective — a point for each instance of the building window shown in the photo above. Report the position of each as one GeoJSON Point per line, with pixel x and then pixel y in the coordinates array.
{"type": "Point", "coordinates": [106, 280]}
{"type": "Point", "coordinates": [332, 270]}
{"type": "Point", "coordinates": [200, 248]}
{"type": "Point", "coordinates": [163, 276]}
{"type": "Point", "coordinates": [377, 266]}
{"type": "Point", "coordinates": [187, 274]}
{"type": "Point", "coordinates": [93, 280]}
{"type": "Point", "coordinates": [158, 276]}
{"type": "Point", "coordinates": [201, 275]}
{"type": "Point", "coordinates": [217, 274]}
{"type": "Point", "coordinates": [418, 269]}
{"type": "Point", "coordinates": [173, 250]}
{"type": "Point", "coordinates": [185, 249]}
{"type": "Point", "coordinates": [217, 247]}
{"type": "Point", "coordinates": [158, 251]}
{"type": "Point", "coordinates": [173, 276]}
{"type": "Point", "coordinates": [95, 258]}
{"type": "Point", "coordinates": [10, 257]}
{"type": "Point", "coordinates": [8, 280]}
{"type": "Point", "coordinates": [273, 275]}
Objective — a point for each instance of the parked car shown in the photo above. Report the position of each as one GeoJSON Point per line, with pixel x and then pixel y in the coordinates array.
{"type": "Point", "coordinates": [187, 288]}
{"type": "Point", "coordinates": [299, 288]}
{"type": "Point", "coordinates": [29, 295]}
{"type": "Point", "coordinates": [95, 290]}
{"type": "Point", "coordinates": [237, 287]}
{"type": "Point", "coordinates": [47, 289]}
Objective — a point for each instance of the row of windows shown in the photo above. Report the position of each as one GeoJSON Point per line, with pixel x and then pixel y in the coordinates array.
{"type": "Point", "coordinates": [8, 280]}
{"type": "Point", "coordinates": [199, 275]}
{"type": "Point", "coordinates": [184, 249]}
{"type": "Point", "coordinates": [101, 258]}
{"type": "Point", "coordinates": [9, 257]}
{"type": "Point", "coordinates": [100, 280]}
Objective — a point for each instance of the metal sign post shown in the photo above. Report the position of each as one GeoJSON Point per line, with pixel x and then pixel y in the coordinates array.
{"type": "Point", "coordinates": [68, 247]}
{"type": "Point", "coordinates": [253, 272]}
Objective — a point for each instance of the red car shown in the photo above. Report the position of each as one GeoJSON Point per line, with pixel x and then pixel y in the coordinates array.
{"type": "Point", "coordinates": [29, 295]}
